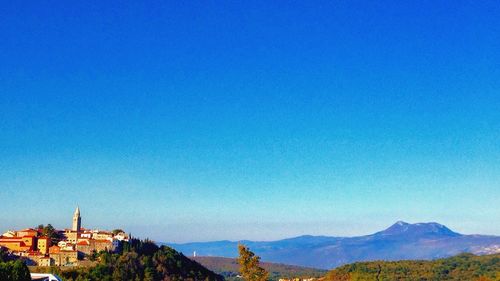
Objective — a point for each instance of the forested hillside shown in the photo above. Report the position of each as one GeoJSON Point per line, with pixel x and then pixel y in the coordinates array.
{"type": "Point", "coordinates": [138, 260]}
{"type": "Point", "coordinates": [464, 267]}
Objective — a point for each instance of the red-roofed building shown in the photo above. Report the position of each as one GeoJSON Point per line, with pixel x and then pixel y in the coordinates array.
{"type": "Point", "coordinates": [27, 232]}
{"type": "Point", "coordinates": [54, 249]}
{"type": "Point", "coordinates": [84, 247]}
{"type": "Point", "coordinates": [18, 244]}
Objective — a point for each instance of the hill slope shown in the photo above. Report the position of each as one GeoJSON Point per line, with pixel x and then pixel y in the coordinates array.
{"type": "Point", "coordinates": [137, 260]}
{"type": "Point", "coordinates": [464, 267]}
{"type": "Point", "coordinates": [228, 267]}
{"type": "Point", "coordinates": [399, 241]}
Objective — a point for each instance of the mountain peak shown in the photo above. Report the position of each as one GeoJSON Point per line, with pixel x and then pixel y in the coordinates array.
{"type": "Point", "coordinates": [401, 228]}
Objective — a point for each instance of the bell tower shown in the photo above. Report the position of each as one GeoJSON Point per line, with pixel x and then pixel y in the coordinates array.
{"type": "Point", "coordinates": [77, 220]}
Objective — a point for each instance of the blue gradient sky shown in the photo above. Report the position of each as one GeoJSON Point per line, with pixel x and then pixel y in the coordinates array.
{"type": "Point", "coordinates": [209, 120]}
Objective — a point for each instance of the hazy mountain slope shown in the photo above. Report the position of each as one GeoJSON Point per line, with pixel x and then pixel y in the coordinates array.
{"type": "Point", "coordinates": [399, 241]}
{"type": "Point", "coordinates": [228, 267]}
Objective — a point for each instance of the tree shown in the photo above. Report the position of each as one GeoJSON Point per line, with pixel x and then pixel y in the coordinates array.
{"type": "Point", "coordinates": [4, 254]}
{"type": "Point", "coordinates": [250, 265]}
{"type": "Point", "coordinates": [14, 271]}
{"type": "Point", "coordinates": [50, 232]}
{"type": "Point", "coordinates": [116, 231]}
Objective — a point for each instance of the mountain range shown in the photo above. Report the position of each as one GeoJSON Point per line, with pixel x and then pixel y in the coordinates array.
{"type": "Point", "coordinates": [401, 241]}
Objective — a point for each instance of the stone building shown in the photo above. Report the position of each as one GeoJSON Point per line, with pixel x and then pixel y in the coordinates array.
{"type": "Point", "coordinates": [64, 258]}
{"type": "Point", "coordinates": [88, 246]}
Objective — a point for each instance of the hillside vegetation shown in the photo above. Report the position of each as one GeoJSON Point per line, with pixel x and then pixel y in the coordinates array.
{"type": "Point", "coordinates": [460, 268]}
{"type": "Point", "coordinates": [138, 260]}
{"type": "Point", "coordinates": [12, 269]}
{"type": "Point", "coordinates": [228, 268]}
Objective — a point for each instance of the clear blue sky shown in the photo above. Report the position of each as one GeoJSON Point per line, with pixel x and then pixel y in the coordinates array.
{"type": "Point", "coordinates": [207, 120]}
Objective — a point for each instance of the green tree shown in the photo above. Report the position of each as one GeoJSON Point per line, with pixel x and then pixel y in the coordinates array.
{"type": "Point", "coordinates": [49, 231]}
{"type": "Point", "coordinates": [14, 271]}
{"type": "Point", "coordinates": [250, 265]}
{"type": "Point", "coordinates": [116, 231]}
{"type": "Point", "coordinates": [4, 255]}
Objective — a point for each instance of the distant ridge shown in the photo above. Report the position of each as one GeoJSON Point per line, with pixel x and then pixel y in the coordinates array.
{"type": "Point", "coordinates": [229, 268]}
{"type": "Point", "coordinates": [401, 240]}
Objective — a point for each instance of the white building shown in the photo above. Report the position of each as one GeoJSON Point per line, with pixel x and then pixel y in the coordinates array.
{"type": "Point", "coordinates": [9, 234]}
{"type": "Point", "coordinates": [44, 277]}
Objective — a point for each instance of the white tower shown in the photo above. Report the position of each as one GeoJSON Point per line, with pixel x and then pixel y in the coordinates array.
{"type": "Point", "coordinates": [77, 220]}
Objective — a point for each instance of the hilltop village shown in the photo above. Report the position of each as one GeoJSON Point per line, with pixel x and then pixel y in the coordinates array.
{"type": "Point", "coordinates": [68, 247]}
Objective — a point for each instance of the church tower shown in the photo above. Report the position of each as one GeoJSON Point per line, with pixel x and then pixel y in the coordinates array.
{"type": "Point", "coordinates": [77, 220]}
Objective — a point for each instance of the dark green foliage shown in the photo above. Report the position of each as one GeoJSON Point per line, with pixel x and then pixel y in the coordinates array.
{"type": "Point", "coordinates": [116, 231]}
{"type": "Point", "coordinates": [4, 255]}
{"type": "Point", "coordinates": [49, 231]}
{"type": "Point", "coordinates": [14, 271]}
{"type": "Point", "coordinates": [141, 261]}
{"type": "Point", "coordinates": [462, 267]}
